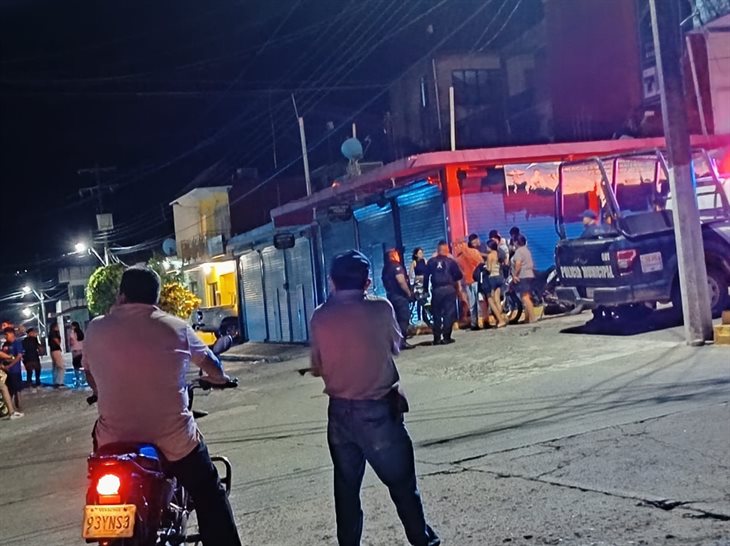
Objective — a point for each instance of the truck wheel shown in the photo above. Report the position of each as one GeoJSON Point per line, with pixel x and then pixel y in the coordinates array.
{"type": "Point", "coordinates": [229, 327]}
{"type": "Point", "coordinates": [717, 286]}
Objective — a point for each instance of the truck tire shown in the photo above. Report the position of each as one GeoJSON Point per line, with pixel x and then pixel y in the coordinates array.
{"type": "Point", "coordinates": [229, 327]}
{"type": "Point", "coordinates": [717, 286]}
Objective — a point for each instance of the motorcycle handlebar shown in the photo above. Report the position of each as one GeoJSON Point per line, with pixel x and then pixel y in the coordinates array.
{"type": "Point", "coordinates": [204, 384]}
{"type": "Point", "coordinates": [201, 383]}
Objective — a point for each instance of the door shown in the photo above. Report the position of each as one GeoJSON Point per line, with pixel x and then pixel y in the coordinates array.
{"type": "Point", "coordinates": [253, 296]}
{"type": "Point", "coordinates": [422, 222]}
{"type": "Point", "coordinates": [337, 237]}
{"type": "Point", "coordinates": [277, 301]}
{"type": "Point", "coordinates": [300, 282]}
{"type": "Point", "coordinates": [376, 233]}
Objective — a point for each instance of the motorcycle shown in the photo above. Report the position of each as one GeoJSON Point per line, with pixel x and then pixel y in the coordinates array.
{"type": "Point", "coordinates": [132, 501]}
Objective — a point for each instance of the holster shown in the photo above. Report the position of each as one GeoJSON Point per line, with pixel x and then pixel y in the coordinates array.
{"type": "Point", "coordinates": [397, 401]}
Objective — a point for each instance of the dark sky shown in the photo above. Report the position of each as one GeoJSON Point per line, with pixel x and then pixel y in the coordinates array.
{"type": "Point", "coordinates": [161, 89]}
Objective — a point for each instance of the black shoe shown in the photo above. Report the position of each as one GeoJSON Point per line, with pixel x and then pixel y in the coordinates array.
{"type": "Point", "coordinates": [407, 347]}
{"type": "Point", "coordinates": [437, 341]}
{"type": "Point", "coordinates": [448, 341]}
{"type": "Point", "coordinates": [475, 328]}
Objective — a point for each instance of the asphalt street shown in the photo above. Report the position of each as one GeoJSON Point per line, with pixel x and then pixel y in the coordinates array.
{"type": "Point", "coordinates": [537, 434]}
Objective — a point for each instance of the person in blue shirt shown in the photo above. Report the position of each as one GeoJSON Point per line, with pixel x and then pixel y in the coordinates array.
{"type": "Point", "coordinates": [12, 354]}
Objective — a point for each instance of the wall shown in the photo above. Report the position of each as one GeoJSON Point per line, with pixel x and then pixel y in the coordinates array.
{"type": "Point", "coordinates": [594, 71]}
{"type": "Point", "coordinates": [718, 54]}
{"type": "Point", "coordinates": [415, 103]}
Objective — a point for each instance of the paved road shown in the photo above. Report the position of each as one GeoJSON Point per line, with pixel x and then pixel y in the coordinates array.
{"type": "Point", "coordinates": [529, 435]}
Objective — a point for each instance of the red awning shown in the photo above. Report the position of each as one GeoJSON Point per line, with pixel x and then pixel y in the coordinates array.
{"type": "Point", "coordinates": [404, 171]}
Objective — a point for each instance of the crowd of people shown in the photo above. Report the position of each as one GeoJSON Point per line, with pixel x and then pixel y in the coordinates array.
{"type": "Point", "coordinates": [22, 350]}
{"type": "Point", "coordinates": [469, 275]}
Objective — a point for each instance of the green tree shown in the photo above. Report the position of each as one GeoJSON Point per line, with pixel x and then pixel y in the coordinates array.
{"type": "Point", "coordinates": [103, 287]}
{"type": "Point", "coordinates": [175, 298]}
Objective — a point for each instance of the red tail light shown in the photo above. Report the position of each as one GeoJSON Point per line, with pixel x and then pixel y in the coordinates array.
{"type": "Point", "coordinates": [626, 259]}
{"type": "Point", "coordinates": [108, 485]}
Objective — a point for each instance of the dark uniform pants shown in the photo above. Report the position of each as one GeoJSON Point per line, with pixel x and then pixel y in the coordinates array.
{"type": "Point", "coordinates": [402, 308]}
{"type": "Point", "coordinates": [443, 309]}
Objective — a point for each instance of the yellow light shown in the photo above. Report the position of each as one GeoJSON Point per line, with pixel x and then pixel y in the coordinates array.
{"type": "Point", "coordinates": [108, 484]}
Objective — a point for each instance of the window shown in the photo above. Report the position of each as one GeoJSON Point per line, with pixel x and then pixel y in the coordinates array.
{"type": "Point", "coordinates": [77, 291]}
{"type": "Point", "coordinates": [476, 87]}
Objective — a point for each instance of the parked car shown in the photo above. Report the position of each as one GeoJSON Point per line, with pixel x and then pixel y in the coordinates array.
{"type": "Point", "coordinates": [221, 320]}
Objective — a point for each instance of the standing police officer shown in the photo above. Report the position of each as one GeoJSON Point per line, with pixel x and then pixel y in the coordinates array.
{"type": "Point", "coordinates": [398, 292]}
{"type": "Point", "coordinates": [443, 277]}
{"type": "Point", "coordinates": [354, 340]}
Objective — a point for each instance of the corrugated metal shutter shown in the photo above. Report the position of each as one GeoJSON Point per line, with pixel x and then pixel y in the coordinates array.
{"type": "Point", "coordinates": [253, 296]}
{"type": "Point", "coordinates": [337, 237]}
{"type": "Point", "coordinates": [275, 293]}
{"type": "Point", "coordinates": [421, 220]}
{"type": "Point", "coordinates": [485, 211]}
{"type": "Point", "coordinates": [301, 287]}
{"type": "Point", "coordinates": [376, 233]}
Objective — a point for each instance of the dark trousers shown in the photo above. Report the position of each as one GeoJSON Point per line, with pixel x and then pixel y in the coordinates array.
{"type": "Point", "coordinates": [366, 430]}
{"type": "Point", "coordinates": [200, 477]}
{"type": "Point", "coordinates": [30, 367]}
{"type": "Point", "coordinates": [402, 308]}
{"type": "Point", "coordinates": [443, 309]}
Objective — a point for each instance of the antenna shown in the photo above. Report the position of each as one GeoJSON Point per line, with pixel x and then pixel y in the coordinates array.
{"type": "Point", "coordinates": [353, 151]}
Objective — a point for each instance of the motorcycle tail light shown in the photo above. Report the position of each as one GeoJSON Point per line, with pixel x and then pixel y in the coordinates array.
{"type": "Point", "coordinates": [625, 260]}
{"type": "Point", "coordinates": [108, 485]}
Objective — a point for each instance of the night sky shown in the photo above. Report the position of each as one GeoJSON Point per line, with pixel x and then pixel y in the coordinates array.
{"type": "Point", "coordinates": [162, 89]}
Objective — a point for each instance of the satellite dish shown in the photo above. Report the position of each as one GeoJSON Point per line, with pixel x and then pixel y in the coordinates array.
{"type": "Point", "coordinates": [352, 149]}
{"type": "Point", "coordinates": [169, 247]}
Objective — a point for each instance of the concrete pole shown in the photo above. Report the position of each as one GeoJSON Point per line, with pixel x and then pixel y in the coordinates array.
{"type": "Point", "coordinates": [452, 118]}
{"type": "Point", "coordinates": [687, 229]}
{"type": "Point", "coordinates": [42, 319]}
{"type": "Point", "coordinates": [305, 156]}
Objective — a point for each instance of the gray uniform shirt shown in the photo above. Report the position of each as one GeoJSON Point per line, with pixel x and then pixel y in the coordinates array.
{"type": "Point", "coordinates": [354, 340]}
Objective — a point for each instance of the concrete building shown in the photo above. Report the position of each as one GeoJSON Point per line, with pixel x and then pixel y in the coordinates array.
{"type": "Point", "coordinates": [202, 229]}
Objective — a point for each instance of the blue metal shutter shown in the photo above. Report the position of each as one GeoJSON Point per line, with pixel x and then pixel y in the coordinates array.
{"type": "Point", "coordinates": [376, 233]}
{"type": "Point", "coordinates": [275, 292]}
{"type": "Point", "coordinates": [421, 220]}
{"type": "Point", "coordinates": [485, 211]}
{"type": "Point", "coordinates": [253, 296]}
{"type": "Point", "coordinates": [337, 237]}
{"type": "Point", "coordinates": [300, 283]}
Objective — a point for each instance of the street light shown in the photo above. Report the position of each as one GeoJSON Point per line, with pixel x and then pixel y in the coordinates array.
{"type": "Point", "coordinates": [27, 312]}
{"type": "Point", "coordinates": [82, 247]}
{"type": "Point", "coordinates": [40, 296]}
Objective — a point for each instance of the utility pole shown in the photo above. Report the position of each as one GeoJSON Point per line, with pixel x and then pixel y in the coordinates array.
{"type": "Point", "coordinates": [303, 138]}
{"type": "Point", "coordinates": [103, 221]}
{"type": "Point", "coordinates": [665, 22]}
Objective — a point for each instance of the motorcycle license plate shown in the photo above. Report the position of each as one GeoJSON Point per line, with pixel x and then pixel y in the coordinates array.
{"type": "Point", "coordinates": [109, 521]}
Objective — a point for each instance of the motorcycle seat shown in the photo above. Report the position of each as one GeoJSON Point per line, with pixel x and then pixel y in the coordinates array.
{"type": "Point", "coordinates": [150, 455]}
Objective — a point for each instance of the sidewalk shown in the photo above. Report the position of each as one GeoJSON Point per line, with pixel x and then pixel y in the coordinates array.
{"type": "Point", "coordinates": [265, 352]}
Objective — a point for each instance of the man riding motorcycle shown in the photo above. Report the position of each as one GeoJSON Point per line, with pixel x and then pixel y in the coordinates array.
{"type": "Point", "coordinates": [136, 358]}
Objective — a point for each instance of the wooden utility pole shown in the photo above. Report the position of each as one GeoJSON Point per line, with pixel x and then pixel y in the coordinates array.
{"type": "Point", "coordinates": [668, 41]}
{"type": "Point", "coordinates": [98, 191]}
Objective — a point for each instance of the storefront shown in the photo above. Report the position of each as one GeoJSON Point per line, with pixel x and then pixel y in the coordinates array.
{"type": "Point", "coordinates": [416, 201]}
{"type": "Point", "coordinates": [277, 285]}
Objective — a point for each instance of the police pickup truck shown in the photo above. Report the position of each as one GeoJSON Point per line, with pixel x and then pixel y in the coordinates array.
{"type": "Point", "coordinates": [628, 262]}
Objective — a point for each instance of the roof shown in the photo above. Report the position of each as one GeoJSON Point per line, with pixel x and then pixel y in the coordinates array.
{"type": "Point", "coordinates": [197, 194]}
{"type": "Point", "coordinates": [404, 171]}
